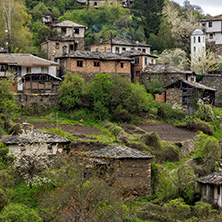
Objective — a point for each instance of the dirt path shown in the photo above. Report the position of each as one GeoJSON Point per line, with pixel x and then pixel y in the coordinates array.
{"type": "Point", "coordinates": [167, 132]}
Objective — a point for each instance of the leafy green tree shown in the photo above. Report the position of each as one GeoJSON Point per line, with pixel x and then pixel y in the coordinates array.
{"type": "Point", "coordinates": [70, 91]}
{"type": "Point", "coordinates": [154, 86]}
{"type": "Point", "coordinates": [40, 10]}
{"type": "Point", "coordinates": [19, 212]}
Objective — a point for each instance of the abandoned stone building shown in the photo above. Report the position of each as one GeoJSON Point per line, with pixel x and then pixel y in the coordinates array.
{"type": "Point", "coordinates": [119, 45]}
{"type": "Point", "coordinates": [211, 188]}
{"type": "Point", "coordinates": [166, 73]}
{"type": "Point", "coordinates": [69, 39]}
{"type": "Point", "coordinates": [131, 168]}
{"type": "Point", "coordinates": [185, 93]}
{"type": "Point", "coordinates": [88, 64]}
{"type": "Point", "coordinates": [38, 142]}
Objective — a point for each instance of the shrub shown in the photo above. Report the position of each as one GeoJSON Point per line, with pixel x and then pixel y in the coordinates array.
{"type": "Point", "coordinates": [197, 125]}
{"type": "Point", "coordinates": [152, 139]}
{"type": "Point", "coordinates": [205, 113]}
{"type": "Point", "coordinates": [154, 86]}
{"type": "Point", "coordinates": [78, 115]}
{"type": "Point", "coordinates": [70, 91]}
{"type": "Point", "coordinates": [121, 115]}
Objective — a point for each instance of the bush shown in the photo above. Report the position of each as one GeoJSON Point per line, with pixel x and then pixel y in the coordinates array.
{"type": "Point", "coordinates": [205, 113]}
{"type": "Point", "coordinates": [121, 115]}
{"type": "Point", "coordinates": [19, 212]}
{"type": "Point", "coordinates": [78, 115]}
{"type": "Point", "coordinates": [197, 125]}
{"type": "Point", "coordinates": [152, 139]}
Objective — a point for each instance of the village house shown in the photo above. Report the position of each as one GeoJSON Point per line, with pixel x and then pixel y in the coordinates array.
{"type": "Point", "coordinates": [141, 60]}
{"type": "Point", "coordinates": [20, 66]}
{"type": "Point", "coordinates": [69, 39]}
{"type": "Point", "coordinates": [213, 29]}
{"type": "Point", "coordinates": [166, 73]}
{"type": "Point", "coordinates": [131, 168]}
{"type": "Point", "coordinates": [185, 93]}
{"type": "Point", "coordinates": [119, 45]}
{"type": "Point", "coordinates": [211, 188]}
{"type": "Point", "coordinates": [88, 64]}
{"type": "Point", "coordinates": [38, 142]}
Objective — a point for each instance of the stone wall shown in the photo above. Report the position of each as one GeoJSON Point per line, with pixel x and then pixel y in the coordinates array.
{"type": "Point", "coordinates": [174, 96]}
{"type": "Point", "coordinates": [37, 100]}
{"type": "Point", "coordinates": [214, 81]}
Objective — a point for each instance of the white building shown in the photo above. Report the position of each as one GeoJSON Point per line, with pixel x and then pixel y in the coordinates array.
{"type": "Point", "coordinates": [198, 44]}
{"type": "Point", "coordinates": [213, 29]}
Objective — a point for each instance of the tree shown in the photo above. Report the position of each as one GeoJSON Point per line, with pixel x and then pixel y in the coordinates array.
{"type": "Point", "coordinates": [19, 212]}
{"type": "Point", "coordinates": [154, 86]}
{"type": "Point", "coordinates": [71, 91]}
{"type": "Point", "coordinates": [14, 20]}
{"type": "Point", "coordinates": [175, 57]}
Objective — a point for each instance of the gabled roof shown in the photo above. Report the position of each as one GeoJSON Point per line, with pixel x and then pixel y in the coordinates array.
{"type": "Point", "coordinates": [165, 68]}
{"type": "Point", "coordinates": [118, 40]}
{"type": "Point", "coordinates": [69, 24]}
{"type": "Point", "coordinates": [35, 136]}
{"type": "Point", "coordinates": [214, 178]}
{"type": "Point", "coordinates": [24, 60]}
{"type": "Point", "coordinates": [192, 84]}
{"type": "Point", "coordinates": [215, 18]}
{"type": "Point", "coordinates": [119, 152]}
{"type": "Point", "coordinates": [133, 53]}
{"type": "Point", "coordinates": [97, 56]}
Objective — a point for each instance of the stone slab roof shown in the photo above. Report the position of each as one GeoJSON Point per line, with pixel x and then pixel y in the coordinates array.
{"type": "Point", "coordinates": [69, 24]}
{"type": "Point", "coordinates": [214, 178]}
{"type": "Point", "coordinates": [133, 53]}
{"type": "Point", "coordinates": [24, 60]}
{"type": "Point", "coordinates": [35, 136]}
{"type": "Point", "coordinates": [214, 18]}
{"type": "Point", "coordinates": [165, 68]}
{"type": "Point", "coordinates": [192, 84]}
{"type": "Point", "coordinates": [97, 56]}
{"type": "Point", "coordinates": [119, 152]}
{"type": "Point", "coordinates": [118, 40]}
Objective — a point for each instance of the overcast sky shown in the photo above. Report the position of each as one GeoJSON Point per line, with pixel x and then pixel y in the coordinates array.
{"type": "Point", "coordinates": [212, 7]}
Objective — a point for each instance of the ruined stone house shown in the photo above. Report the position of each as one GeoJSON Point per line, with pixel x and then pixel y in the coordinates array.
{"type": "Point", "coordinates": [131, 168]}
{"type": "Point", "coordinates": [211, 188]}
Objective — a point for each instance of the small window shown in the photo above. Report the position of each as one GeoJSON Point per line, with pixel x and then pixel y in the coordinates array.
{"type": "Point", "coordinates": [79, 64]}
{"type": "Point", "coordinates": [63, 31]}
{"type": "Point", "coordinates": [96, 64]}
{"type": "Point", "coordinates": [95, 3]}
{"type": "Point", "coordinates": [199, 39]}
{"type": "Point", "coordinates": [152, 61]}
{"type": "Point", "coordinates": [122, 65]}
{"type": "Point", "coordinates": [76, 31]}
{"type": "Point", "coordinates": [144, 50]}
{"type": "Point", "coordinates": [211, 36]}
{"type": "Point", "coordinates": [132, 49]}
{"type": "Point", "coordinates": [210, 24]}
{"type": "Point", "coordinates": [136, 60]}
{"type": "Point", "coordinates": [139, 49]}
{"type": "Point", "coordinates": [57, 45]}
{"type": "Point", "coordinates": [194, 49]}
{"type": "Point", "coordinates": [137, 74]}
{"type": "Point", "coordinates": [123, 49]}
{"type": "Point", "coordinates": [194, 39]}
{"type": "Point", "coordinates": [172, 79]}
{"type": "Point", "coordinates": [145, 60]}
{"type": "Point", "coordinates": [97, 49]}
{"type": "Point", "coordinates": [117, 49]}
{"type": "Point", "coordinates": [28, 69]}
{"type": "Point", "coordinates": [71, 47]}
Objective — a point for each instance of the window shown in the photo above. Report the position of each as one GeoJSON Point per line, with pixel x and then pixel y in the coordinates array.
{"type": "Point", "coordinates": [139, 49]}
{"type": "Point", "coordinates": [57, 45]}
{"type": "Point", "coordinates": [28, 69]}
{"type": "Point", "coordinates": [71, 47]}
{"type": "Point", "coordinates": [95, 3]}
{"type": "Point", "coordinates": [144, 50]}
{"type": "Point", "coordinates": [76, 31]}
{"type": "Point", "coordinates": [79, 64]}
{"type": "Point", "coordinates": [136, 60]}
{"type": "Point", "coordinates": [123, 49]}
{"type": "Point", "coordinates": [211, 36]}
{"type": "Point", "coordinates": [172, 79]}
{"type": "Point", "coordinates": [97, 49]}
{"type": "Point", "coordinates": [194, 39]}
{"type": "Point", "coordinates": [96, 64]}
{"type": "Point", "coordinates": [63, 31]}
{"type": "Point", "coordinates": [122, 65]}
{"type": "Point", "coordinates": [137, 74]}
{"type": "Point", "coordinates": [117, 49]}
{"type": "Point", "coordinates": [64, 50]}
{"type": "Point", "coordinates": [210, 24]}
{"type": "Point", "coordinates": [151, 61]}
{"type": "Point", "coordinates": [145, 61]}
{"type": "Point", "coordinates": [199, 39]}
{"type": "Point", "coordinates": [194, 49]}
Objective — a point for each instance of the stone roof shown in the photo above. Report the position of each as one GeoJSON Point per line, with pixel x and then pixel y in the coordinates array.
{"type": "Point", "coordinates": [35, 136]}
{"type": "Point", "coordinates": [214, 178]}
{"type": "Point", "coordinates": [69, 23]}
{"type": "Point", "coordinates": [192, 84]}
{"type": "Point", "coordinates": [96, 55]}
{"type": "Point", "coordinates": [118, 40]}
{"type": "Point", "coordinates": [198, 32]}
{"type": "Point", "coordinates": [24, 60]}
{"type": "Point", "coordinates": [119, 152]}
{"type": "Point", "coordinates": [133, 53]}
{"type": "Point", "coordinates": [214, 18]}
{"type": "Point", "coordinates": [165, 68]}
